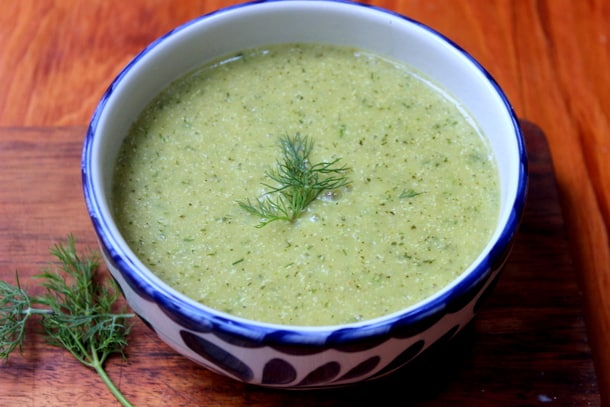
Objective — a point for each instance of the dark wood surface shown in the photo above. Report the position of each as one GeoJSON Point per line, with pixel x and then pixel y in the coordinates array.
{"type": "Point", "coordinates": [533, 344]}
{"type": "Point", "coordinates": [528, 346]}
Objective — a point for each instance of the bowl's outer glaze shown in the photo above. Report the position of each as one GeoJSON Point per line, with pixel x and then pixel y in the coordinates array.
{"type": "Point", "coordinates": [286, 356]}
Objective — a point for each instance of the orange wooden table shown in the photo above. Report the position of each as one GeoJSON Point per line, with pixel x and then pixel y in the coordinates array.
{"type": "Point", "coordinates": [543, 336]}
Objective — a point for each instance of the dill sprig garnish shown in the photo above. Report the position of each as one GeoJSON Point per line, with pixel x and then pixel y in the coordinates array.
{"type": "Point", "coordinates": [298, 182]}
{"type": "Point", "coordinates": [76, 313]}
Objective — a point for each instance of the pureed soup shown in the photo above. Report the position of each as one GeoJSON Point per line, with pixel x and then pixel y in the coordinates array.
{"type": "Point", "coordinates": [418, 201]}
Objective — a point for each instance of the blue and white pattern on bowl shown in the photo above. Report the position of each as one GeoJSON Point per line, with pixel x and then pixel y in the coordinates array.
{"type": "Point", "coordinates": [292, 356]}
{"type": "Point", "coordinates": [289, 358]}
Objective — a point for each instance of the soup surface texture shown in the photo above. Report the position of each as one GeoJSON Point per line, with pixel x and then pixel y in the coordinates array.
{"type": "Point", "coordinates": [421, 201]}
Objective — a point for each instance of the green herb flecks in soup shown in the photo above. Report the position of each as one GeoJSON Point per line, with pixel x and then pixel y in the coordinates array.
{"type": "Point", "coordinates": [415, 200]}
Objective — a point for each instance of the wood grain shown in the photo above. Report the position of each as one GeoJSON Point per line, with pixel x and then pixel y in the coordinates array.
{"type": "Point", "coordinates": [57, 57]}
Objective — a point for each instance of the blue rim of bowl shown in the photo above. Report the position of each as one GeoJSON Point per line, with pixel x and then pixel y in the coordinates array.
{"type": "Point", "coordinates": [260, 332]}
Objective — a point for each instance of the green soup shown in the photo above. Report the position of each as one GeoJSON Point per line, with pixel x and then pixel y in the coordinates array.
{"type": "Point", "coordinates": [421, 202]}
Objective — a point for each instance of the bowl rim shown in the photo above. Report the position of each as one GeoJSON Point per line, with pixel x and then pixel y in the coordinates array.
{"type": "Point", "coordinates": [296, 334]}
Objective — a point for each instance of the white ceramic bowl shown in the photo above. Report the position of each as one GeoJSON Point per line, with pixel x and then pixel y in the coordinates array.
{"type": "Point", "coordinates": [293, 356]}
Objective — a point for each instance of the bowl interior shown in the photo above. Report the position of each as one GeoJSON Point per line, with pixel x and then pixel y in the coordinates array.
{"type": "Point", "coordinates": [247, 26]}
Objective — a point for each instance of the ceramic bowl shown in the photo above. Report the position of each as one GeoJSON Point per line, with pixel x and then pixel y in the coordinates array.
{"type": "Point", "coordinates": [293, 356]}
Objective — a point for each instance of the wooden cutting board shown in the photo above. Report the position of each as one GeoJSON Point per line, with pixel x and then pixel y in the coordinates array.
{"type": "Point", "coordinates": [527, 347]}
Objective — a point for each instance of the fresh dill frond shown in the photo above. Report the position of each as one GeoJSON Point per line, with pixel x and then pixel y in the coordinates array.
{"type": "Point", "coordinates": [297, 182]}
{"type": "Point", "coordinates": [15, 310]}
{"type": "Point", "coordinates": [409, 193]}
{"type": "Point", "coordinates": [77, 313]}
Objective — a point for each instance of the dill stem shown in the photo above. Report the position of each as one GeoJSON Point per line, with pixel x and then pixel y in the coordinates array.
{"type": "Point", "coordinates": [97, 364]}
{"type": "Point", "coordinates": [36, 311]}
